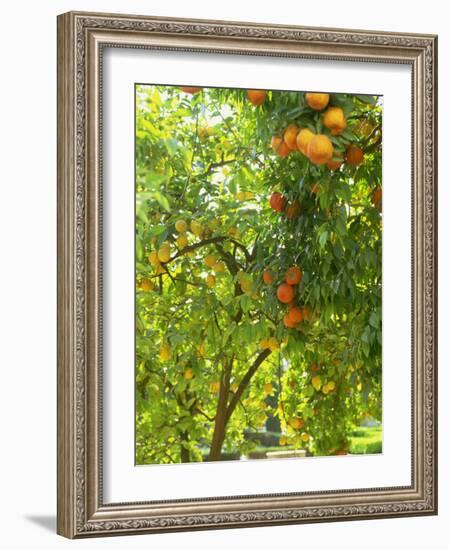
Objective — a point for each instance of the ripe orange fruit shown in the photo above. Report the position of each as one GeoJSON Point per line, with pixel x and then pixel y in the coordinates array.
{"type": "Point", "coordinates": [288, 321]}
{"type": "Point", "coordinates": [296, 314]}
{"type": "Point", "coordinates": [280, 147]}
{"type": "Point", "coordinates": [354, 155]}
{"type": "Point", "coordinates": [335, 162]}
{"type": "Point", "coordinates": [283, 150]}
{"type": "Point", "coordinates": [191, 89]}
{"type": "Point", "coordinates": [293, 275]}
{"type": "Point", "coordinates": [292, 210]}
{"type": "Point", "coordinates": [377, 196]}
{"type": "Point", "coordinates": [303, 139]}
{"type": "Point", "coordinates": [285, 293]}
{"type": "Point", "coordinates": [290, 135]}
{"type": "Point", "coordinates": [267, 277]}
{"type": "Point", "coordinates": [256, 97]}
{"type": "Point", "coordinates": [278, 202]}
{"type": "Point", "coordinates": [317, 102]}
{"type": "Point", "coordinates": [320, 149]}
{"type": "Point", "coordinates": [275, 142]}
{"type": "Point", "coordinates": [334, 119]}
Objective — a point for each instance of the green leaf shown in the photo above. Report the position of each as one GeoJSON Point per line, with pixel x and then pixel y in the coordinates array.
{"type": "Point", "coordinates": [162, 200]}
{"type": "Point", "coordinates": [323, 238]}
{"type": "Point", "coordinates": [369, 99]}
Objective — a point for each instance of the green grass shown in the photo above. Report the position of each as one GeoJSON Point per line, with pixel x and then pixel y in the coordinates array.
{"type": "Point", "coordinates": [366, 440]}
{"type": "Point", "coordinates": [363, 440]}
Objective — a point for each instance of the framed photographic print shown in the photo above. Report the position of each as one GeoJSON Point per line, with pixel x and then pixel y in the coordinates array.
{"type": "Point", "coordinates": [246, 275]}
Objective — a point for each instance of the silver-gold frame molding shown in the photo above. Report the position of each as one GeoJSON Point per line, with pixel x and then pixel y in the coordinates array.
{"type": "Point", "coordinates": [81, 39]}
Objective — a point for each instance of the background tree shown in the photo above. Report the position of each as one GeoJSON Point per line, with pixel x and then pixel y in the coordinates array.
{"type": "Point", "coordinates": [258, 247]}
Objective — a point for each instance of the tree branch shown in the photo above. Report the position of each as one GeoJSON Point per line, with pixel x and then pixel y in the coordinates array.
{"type": "Point", "coordinates": [194, 246]}
{"type": "Point", "coordinates": [213, 165]}
{"type": "Point", "coordinates": [245, 381]}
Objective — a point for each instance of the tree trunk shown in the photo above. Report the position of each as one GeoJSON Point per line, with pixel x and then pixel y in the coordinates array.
{"type": "Point", "coordinates": [219, 435]}
{"type": "Point", "coordinates": [185, 453]}
{"type": "Point", "coordinates": [221, 415]}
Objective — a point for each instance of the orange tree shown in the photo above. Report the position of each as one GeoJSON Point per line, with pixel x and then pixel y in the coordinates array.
{"type": "Point", "coordinates": [258, 269]}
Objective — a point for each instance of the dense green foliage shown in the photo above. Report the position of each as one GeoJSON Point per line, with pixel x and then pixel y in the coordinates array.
{"type": "Point", "coordinates": [203, 379]}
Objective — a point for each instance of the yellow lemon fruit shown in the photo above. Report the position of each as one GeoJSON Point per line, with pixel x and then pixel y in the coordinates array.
{"type": "Point", "coordinates": [265, 343]}
{"type": "Point", "coordinates": [152, 258]}
{"type": "Point", "coordinates": [188, 374]}
{"type": "Point", "coordinates": [181, 226]}
{"type": "Point", "coordinates": [273, 344]}
{"type": "Point", "coordinates": [219, 267]}
{"type": "Point", "coordinates": [182, 241]}
{"type": "Point", "coordinates": [214, 386]}
{"type": "Point", "coordinates": [210, 260]}
{"type": "Point", "coordinates": [296, 423]}
{"type": "Point", "coordinates": [210, 281]}
{"type": "Point", "coordinates": [316, 382]}
{"type": "Point", "coordinates": [146, 285]}
{"type": "Point", "coordinates": [246, 284]}
{"type": "Point", "coordinates": [268, 388]}
{"type": "Point", "coordinates": [201, 349]}
{"type": "Point", "coordinates": [165, 352]}
{"type": "Point", "coordinates": [163, 253]}
{"type": "Point", "coordinates": [196, 228]}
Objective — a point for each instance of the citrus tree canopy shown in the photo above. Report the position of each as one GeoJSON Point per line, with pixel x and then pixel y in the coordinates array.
{"type": "Point", "coordinates": [258, 269]}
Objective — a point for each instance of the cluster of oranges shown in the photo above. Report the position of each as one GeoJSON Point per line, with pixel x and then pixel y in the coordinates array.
{"type": "Point", "coordinates": [216, 265]}
{"type": "Point", "coordinates": [318, 148]}
{"type": "Point", "coordinates": [279, 203]}
{"type": "Point", "coordinates": [285, 293]}
{"type": "Point", "coordinates": [318, 385]}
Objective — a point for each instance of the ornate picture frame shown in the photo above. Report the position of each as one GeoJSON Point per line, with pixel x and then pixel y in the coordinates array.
{"type": "Point", "coordinates": [82, 38]}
